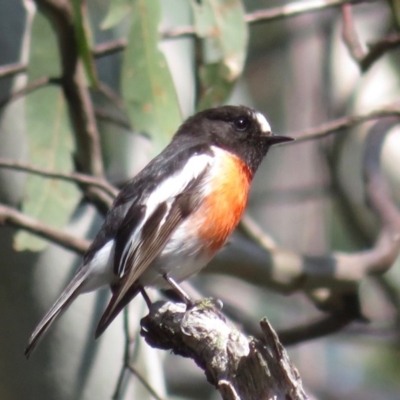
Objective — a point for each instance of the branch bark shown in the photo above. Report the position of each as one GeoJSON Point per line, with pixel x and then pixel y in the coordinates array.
{"type": "Point", "coordinates": [238, 366]}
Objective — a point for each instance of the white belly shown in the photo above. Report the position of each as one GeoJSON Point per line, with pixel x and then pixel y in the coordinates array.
{"type": "Point", "coordinates": [181, 258]}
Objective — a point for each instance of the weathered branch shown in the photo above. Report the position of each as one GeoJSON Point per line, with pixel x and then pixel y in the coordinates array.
{"type": "Point", "coordinates": [238, 366]}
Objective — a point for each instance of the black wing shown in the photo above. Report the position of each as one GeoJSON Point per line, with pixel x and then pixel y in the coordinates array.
{"type": "Point", "coordinates": [134, 194]}
{"type": "Point", "coordinates": [134, 257]}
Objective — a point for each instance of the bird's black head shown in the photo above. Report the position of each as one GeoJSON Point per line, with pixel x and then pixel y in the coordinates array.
{"type": "Point", "coordinates": [238, 129]}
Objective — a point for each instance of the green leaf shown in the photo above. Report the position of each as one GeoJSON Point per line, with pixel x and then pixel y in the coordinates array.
{"type": "Point", "coordinates": [147, 85]}
{"type": "Point", "coordinates": [395, 4]}
{"type": "Point", "coordinates": [50, 142]}
{"type": "Point", "coordinates": [222, 25]}
{"type": "Point", "coordinates": [84, 40]}
{"type": "Point", "coordinates": [118, 10]}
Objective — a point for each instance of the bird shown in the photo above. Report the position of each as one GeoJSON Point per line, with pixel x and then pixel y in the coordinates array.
{"type": "Point", "coordinates": [170, 220]}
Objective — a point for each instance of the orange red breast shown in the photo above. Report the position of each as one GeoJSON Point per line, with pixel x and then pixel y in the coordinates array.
{"type": "Point", "coordinates": [223, 207]}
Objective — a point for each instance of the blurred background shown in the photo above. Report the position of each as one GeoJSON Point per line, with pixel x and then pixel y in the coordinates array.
{"type": "Point", "coordinates": [316, 252]}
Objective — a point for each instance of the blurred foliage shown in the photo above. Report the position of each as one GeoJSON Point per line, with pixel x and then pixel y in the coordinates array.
{"type": "Point", "coordinates": [49, 139]}
{"type": "Point", "coordinates": [297, 71]}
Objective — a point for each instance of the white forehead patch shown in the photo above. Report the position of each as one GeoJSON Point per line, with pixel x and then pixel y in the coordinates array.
{"type": "Point", "coordinates": [265, 127]}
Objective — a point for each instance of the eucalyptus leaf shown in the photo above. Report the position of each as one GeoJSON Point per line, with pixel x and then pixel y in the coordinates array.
{"type": "Point", "coordinates": [50, 142]}
{"type": "Point", "coordinates": [223, 28]}
{"type": "Point", "coordinates": [147, 84]}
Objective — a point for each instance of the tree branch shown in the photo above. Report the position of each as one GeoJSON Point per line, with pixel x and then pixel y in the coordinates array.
{"type": "Point", "coordinates": [254, 232]}
{"type": "Point", "coordinates": [11, 69]}
{"type": "Point", "coordinates": [88, 153]}
{"type": "Point", "coordinates": [131, 367]}
{"type": "Point", "coordinates": [295, 9]}
{"type": "Point", "coordinates": [107, 48]}
{"type": "Point", "coordinates": [364, 56]}
{"type": "Point", "coordinates": [238, 366]}
{"type": "Point", "coordinates": [269, 15]}
{"type": "Point", "coordinates": [30, 87]}
{"type": "Point", "coordinates": [346, 122]}
{"type": "Point", "coordinates": [10, 216]}
{"type": "Point", "coordinates": [378, 49]}
{"type": "Point", "coordinates": [350, 35]}
{"type": "Point", "coordinates": [81, 179]}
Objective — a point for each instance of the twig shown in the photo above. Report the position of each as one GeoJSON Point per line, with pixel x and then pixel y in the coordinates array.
{"type": "Point", "coordinates": [253, 231]}
{"type": "Point", "coordinates": [238, 366]}
{"type": "Point", "coordinates": [10, 216]}
{"type": "Point", "coordinates": [272, 14]}
{"type": "Point", "coordinates": [127, 356]}
{"type": "Point", "coordinates": [322, 327]}
{"type": "Point", "coordinates": [295, 9]}
{"type": "Point", "coordinates": [343, 123]}
{"type": "Point", "coordinates": [107, 116]}
{"type": "Point", "coordinates": [350, 35]}
{"type": "Point", "coordinates": [70, 177]}
{"type": "Point", "coordinates": [111, 95]}
{"type": "Point", "coordinates": [143, 381]}
{"type": "Point", "coordinates": [107, 48]}
{"type": "Point", "coordinates": [378, 49]}
{"type": "Point", "coordinates": [179, 33]}
{"type": "Point", "coordinates": [30, 87]}
{"type": "Point", "coordinates": [11, 69]}
{"type": "Point", "coordinates": [362, 55]}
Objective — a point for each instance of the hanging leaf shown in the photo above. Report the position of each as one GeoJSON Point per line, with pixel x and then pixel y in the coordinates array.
{"type": "Point", "coordinates": [147, 84]}
{"type": "Point", "coordinates": [50, 142]}
{"type": "Point", "coordinates": [222, 25]}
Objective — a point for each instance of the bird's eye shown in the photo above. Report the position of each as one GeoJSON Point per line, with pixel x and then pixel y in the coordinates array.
{"type": "Point", "coordinates": [241, 123]}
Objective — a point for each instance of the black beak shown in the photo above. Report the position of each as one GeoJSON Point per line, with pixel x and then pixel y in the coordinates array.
{"type": "Point", "coordinates": [276, 139]}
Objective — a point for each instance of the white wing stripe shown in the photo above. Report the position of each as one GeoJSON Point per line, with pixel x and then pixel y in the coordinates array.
{"type": "Point", "coordinates": [175, 184]}
{"type": "Point", "coordinates": [166, 192]}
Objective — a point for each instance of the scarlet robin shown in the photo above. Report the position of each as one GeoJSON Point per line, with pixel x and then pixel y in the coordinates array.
{"type": "Point", "coordinates": [168, 222]}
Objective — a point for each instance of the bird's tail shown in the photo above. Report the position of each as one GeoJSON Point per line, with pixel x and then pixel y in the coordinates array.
{"type": "Point", "coordinates": [70, 293]}
{"type": "Point", "coordinates": [115, 306]}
